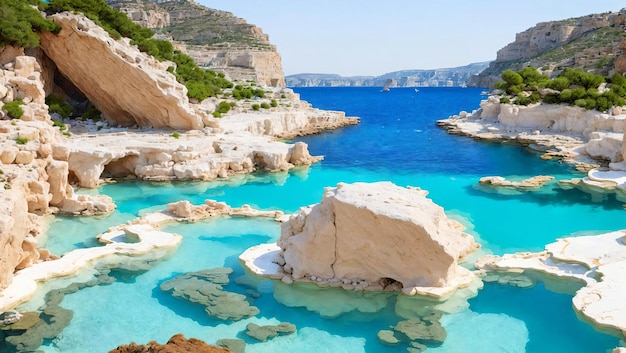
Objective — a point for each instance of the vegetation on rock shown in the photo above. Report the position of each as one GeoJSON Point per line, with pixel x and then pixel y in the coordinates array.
{"type": "Point", "coordinates": [14, 109]}
{"type": "Point", "coordinates": [19, 22]}
{"type": "Point", "coordinates": [200, 83]}
{"type": "Point", "coordinates": [59, 106]}
{"type": "Point", "coordinates": [572, 86]}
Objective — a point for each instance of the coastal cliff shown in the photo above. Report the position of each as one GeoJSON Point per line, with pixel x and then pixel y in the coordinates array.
{"type": "Point", "coordinates": [444, 77]}
{"type": "Point", "coordinates": [43, 154]}
{"type": "Point", "coordinates": [216, 40]}
{"type": "Point", "coordinates": [594, 43]}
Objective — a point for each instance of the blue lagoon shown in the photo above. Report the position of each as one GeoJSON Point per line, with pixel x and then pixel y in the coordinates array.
{"type": "Point", "coordinates": [397, 140]}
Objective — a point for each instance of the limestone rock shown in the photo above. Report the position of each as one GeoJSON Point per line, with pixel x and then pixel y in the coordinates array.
{"type": "Point", "coordinates": [530, 183]}
{"type": "Point", "coordinates": [15, 228]}
{"type": "Point", "coordinates": [205, 288]}
{"type": "Point", "coordinates": [102, 68]}
{"type": "Point", "coordinates": [177, 344]}
{"type": "Point", "coordinates": [378, 234]}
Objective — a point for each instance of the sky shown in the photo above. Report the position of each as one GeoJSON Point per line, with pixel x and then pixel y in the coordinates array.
{"type": "Point", "coordinates": [373, 37]}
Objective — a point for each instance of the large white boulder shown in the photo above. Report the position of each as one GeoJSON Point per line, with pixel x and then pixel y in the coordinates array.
{"type": "Point", "coordinates": [376, 234]}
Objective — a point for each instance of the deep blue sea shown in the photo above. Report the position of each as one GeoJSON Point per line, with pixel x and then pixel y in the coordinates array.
{"type": "Point", "coordinates": [397, 140]}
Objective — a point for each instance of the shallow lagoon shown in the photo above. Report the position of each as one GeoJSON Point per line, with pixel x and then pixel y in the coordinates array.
{"type": "Point", "coordinates": [397, 140]}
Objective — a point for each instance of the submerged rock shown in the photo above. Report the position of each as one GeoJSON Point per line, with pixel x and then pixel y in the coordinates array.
{"type": "Point", "coordinates": [425, 330]}
{"type": "Point", "coordinates": [29, 333]}
{"type": "Point", "coordinates": [232, 344]}
{"type": "Point", "coordinates": [262, 333]}
{"type": "Point", "coordinates": [177, 344]}
{"type": "Point", "coordinates": [205, 288]}
{"type": "Point", "coordinates": [387, 337]}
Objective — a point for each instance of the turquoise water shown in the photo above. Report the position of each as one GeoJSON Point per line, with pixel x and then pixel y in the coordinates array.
{"type": "Point", "coordinates": [397, 140]}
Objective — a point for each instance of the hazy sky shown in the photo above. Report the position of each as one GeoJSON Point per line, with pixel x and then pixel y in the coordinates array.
{"type": "Point", "coordinates": [373, 37]}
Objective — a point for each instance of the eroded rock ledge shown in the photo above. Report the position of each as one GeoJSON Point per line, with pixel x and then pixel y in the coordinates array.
{"type": "Point", "coordinates": [140, 237]}
{"type": "Point", "coordinates": [369, 236]}
{"type": "Point", "coordinates": [576, 135]}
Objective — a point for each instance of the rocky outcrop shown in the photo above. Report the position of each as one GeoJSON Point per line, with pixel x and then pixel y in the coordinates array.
{"type": "Point", "coordinates": [444, 77]}
{"type": "Point", "coordinates": [579, 136]}
{"type": "Point", "coordinates": [129, 87]}
{"type": "Point", "coordinates": [177, 344]}
{"type": "Point", "coordinates": [215, 39]}
{"type": "Point", "coordinates": [195, 155]}
{"type": "Point", "coordinates": [287, 123]}
{"type": "Point", "coordinates": [33, 181]}
{"type": "Point", "coordinates": [372, 236]}
{"type": "Point", "coordinates": [249, 64]}
{"type": "Point", "coordinates": [590, 42]}
{"type": "Point", "coordinates": [526, 184]}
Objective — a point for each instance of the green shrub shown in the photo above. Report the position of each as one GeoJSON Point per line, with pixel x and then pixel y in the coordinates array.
{"type": "Point", "coordinates": [558, 83]}
{"type": "Point", "coordinates": [512, 78]}
{"type": "Point", "coordinates": [273, 103]}
{"type": "Point", "coordinates": [175, 134]}
{"type": "Point", "coordinates": [505, 100]}
{"type": "Point", "coordinates": [223, 107]}
{"type": "Point", "coordinates": [255, 107]}
{"type": "Point", "coordinates": [59, 106]}
{"type": "Point", "coordinates": [14, 109]}
{"type": "Point", "coordinates": [21, 140]}
{"type": "Point", "coordinates": [92, 113]}
{"type": "Point", "coordinates": [217, 114]}
{"type": "Point", "coordinates": [265, 105]}
{"type": "Point", "coordinates": [59, 124]}
{"type": "Point", "coordinates": [19, 23]}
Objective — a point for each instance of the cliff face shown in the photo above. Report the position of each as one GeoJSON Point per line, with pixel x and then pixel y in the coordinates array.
{"type": "Point", "coordinates": [215, 39]}
{"type": "Point", "coordinates": [33, 167]}
{"type": "Point", "coordinates": [102, 68]}
{"type": "Point", "coordinates": [592, 43]}
{"type": "Point", "coordinates": [446, 77]}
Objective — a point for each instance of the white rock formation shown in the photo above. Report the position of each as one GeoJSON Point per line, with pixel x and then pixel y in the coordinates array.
{"type": "Point", "coordinates": [32, 181]}
{"type": "Point", "coordinates": [372, 236]}
{"type": "Point", "coordinates": [136, 240]}
{"type": "Point", "coordinates": [573, 134]}
{"type": "Point", "coordinates": [195, 155]}
{"type": "Point", "coordinates": [127, 86]}
{"type": "Point", "coordinates": [287, 123]}
{"type": "Point", "coordinates": [598, 261]}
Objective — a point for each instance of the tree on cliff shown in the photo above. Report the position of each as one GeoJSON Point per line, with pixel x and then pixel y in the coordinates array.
{"type": "Point", "coordinates": [19, 22]}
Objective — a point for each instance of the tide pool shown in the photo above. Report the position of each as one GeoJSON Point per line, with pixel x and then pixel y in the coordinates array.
{"type": "Point", "coordinates": [397, 140]}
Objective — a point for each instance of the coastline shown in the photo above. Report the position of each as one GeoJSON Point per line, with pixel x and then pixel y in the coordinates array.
{"type": "Point", "coordinates": [591, 142]}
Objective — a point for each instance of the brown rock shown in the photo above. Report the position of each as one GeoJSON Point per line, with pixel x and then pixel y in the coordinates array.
{"type": "Point", "coordinates": [177, 344]}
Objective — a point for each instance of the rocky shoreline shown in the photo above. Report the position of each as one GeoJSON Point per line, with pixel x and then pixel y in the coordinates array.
{"type": "Point", "coordinates": [591, 141]}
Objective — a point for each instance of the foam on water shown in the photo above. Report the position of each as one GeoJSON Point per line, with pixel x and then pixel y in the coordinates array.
{"type": "Point", "coordinates": [397, 140]}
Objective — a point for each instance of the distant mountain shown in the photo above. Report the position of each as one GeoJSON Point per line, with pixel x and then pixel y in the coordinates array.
{"type": "Point", "coordinates": [448, 77]}
{"type": "Point", "coordinates": [594, 43]}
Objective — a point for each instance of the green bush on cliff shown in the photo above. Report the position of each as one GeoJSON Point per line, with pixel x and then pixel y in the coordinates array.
{"type": "Point", "coordinates": [572, 86]}
{"type": "Point", "coordinates": [19, 23]}
{"type": "Point", "coordinates": [200, 83]}
{"type": "Point", "coordinates": [14, 109]}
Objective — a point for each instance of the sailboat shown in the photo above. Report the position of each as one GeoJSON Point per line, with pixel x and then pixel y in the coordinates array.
{"type": "Point", "coordinates": [388, 83]}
